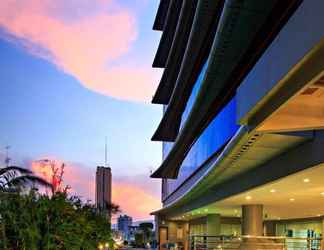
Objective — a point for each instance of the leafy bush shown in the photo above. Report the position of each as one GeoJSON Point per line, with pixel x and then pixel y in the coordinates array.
{"type": "Point", "coordinates": [34, 221]}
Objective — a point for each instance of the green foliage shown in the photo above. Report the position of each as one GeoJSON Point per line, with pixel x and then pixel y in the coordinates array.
{"type": "Point", "coordinates": [34, 221]}
{"type": "Point", "coordinates": [139, 239]}
{"type": "Point", "coordinates": [146, 228]}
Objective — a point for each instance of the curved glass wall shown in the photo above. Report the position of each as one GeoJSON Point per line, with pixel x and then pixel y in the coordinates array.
{"type": "Point", "coordinates": [221, 129]}
{"type": "Point", "coordinates": [193, 94]}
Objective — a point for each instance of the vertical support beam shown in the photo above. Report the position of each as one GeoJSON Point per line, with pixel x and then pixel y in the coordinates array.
{"type": "Point", "coordinates": [252, 220]}
{"type": "Point", "coordinates": [213, 224]}
{"type": "Point", "coordinates": [270, 228]}
{"type": "Point", "coordinates": [186, 236]}
{"type": "Point", "coordinates": [213, 228]}
{"type": "Point", "coordinates": [162, 231]}
{"type": "Point", "coordinates": [157, 226]}
{"type": "Point", "coordinates": [322, 234]}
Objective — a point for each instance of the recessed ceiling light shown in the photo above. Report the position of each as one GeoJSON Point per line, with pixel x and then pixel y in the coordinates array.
{"type": "Point", "coordinates": [322, 193]}
{"type": "Point", "coordinates": [306, 180]}
{"type": "Point", "coordinates": [291, 199]}
{"type": "Point", "coordinates": [248, 197]}
{"type": "Point", "coordinates": [272, 191]}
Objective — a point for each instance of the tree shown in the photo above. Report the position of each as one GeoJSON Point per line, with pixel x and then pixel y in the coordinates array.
{"type": "Point", "coordinates": [146, 228]}
{"type": "Point", "coordinates": [14, 178]}
{"type": "Point", "coordinates": [39, 221]}
{"type": "Point", "coordinates": [139, 240]}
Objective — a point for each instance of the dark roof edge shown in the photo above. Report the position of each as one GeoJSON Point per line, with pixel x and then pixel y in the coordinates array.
{"type": "Point", "coordinates": [178, 47]}
{"type": "Point", "coordinates": [198, 47]}
{"type": "Point", "coordinates": [161, 15]}
{"type": "Point", "coordinates": [171, 22]}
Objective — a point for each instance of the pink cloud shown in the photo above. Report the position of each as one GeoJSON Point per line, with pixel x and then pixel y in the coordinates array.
{"type": "Point", "coordinates": [136, 195]}
{"type": "Point", "coordinates": [86, 39]}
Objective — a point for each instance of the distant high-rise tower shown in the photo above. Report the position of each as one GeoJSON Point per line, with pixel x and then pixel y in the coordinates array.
{"type": "Point", "coordinates": [103, 187]}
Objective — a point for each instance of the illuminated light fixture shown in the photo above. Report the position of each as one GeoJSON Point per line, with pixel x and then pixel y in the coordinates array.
{"type": "Point", "coordinates": [292, 199]}
{"type": "Point", "coordinates": [273, 191]}
{"type": "Point", "coordinates": [318, 215]}
{"type": "Point", "coordinates": [206, 209]}
{"type": "Point", "coordinates": [306, 180]}
{"type": "Point", "coordinates": [322, 193]}
{"type": "Point", "coordinates": [248, 197]}
{"type": "Point", "coordinates": [235, 211]}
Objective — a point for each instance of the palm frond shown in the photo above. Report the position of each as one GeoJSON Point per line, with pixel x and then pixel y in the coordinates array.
{"type": "Point", "coordinates": [25, 180]}
{"type": "Point", "coordinates": [9, 169]}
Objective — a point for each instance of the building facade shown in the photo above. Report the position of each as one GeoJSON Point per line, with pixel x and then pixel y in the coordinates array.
{"type": "Point", "coordinates": [124, 224]}
{"type": "Point", "coordinates": [103, 187]}
{"type": "Point", "coordinates": [242, 128]}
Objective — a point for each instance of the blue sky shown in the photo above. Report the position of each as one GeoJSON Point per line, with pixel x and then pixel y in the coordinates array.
{"type": "Point", "coordinates": [48, 110]}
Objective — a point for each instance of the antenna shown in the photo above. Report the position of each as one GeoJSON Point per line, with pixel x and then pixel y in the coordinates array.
{"type": "Point", "coordinates": [106, 154]}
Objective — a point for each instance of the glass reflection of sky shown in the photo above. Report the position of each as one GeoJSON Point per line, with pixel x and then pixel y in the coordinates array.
{"type": "Point", "coordinates": [218, 132]}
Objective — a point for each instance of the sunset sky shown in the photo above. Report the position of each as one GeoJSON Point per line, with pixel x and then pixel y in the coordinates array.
{"type": "Point", "coordinates": [73, 72]}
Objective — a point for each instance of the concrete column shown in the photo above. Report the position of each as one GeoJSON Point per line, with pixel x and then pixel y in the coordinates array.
{"type": "Point", "coordinates": [213, 224]}
{"type": "Point", "coordinates": [270, 228]}
{"type": "Point", "coordinates": [252, 220]}
{"type": "Point", "coordinates": [213, 228]}
{"type": "Point", "coordinates": [322, 234]}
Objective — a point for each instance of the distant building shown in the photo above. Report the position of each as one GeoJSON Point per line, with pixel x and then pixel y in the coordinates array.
{"type": "Point", "coordinates": [132, 231]}
{"type": "Point", "coordinates": [103, 187]}
{"type": "Point", "coordinates": [124, 224]}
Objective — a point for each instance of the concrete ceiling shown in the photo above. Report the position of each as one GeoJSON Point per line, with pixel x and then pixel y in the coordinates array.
{"type": "Point", "coordinates": [300, 195]}
{"type": "Point", "coordinates": [304, 111]}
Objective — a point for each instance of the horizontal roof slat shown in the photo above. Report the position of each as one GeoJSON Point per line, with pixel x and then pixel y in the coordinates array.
{"type": "Point", "coordinates": [200, 40]}
{"type": "Point", "coordinates": [168, 34]}
{"type": "Point", "coordinates": [234, 39]}
{"type": "Point", "coordinates": [161, 15]}
{"type": "Point", "coordinates": [169, 77]}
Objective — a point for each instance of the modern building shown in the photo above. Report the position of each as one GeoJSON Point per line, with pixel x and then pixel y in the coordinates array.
{"type": "Point", "coordinates": [103, 187]}
{"type": "Point", "coordinates": [125, 223]}
{"type": "Point", "coordinates": [243, 123]}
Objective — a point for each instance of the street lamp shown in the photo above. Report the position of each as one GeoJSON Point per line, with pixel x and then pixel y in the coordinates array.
{"type": "Point", "coordinates": [103, 246]}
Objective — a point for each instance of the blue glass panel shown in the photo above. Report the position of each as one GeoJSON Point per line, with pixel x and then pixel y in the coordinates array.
{"type": "Point", "coordinates": [218, 132]}
{"type": "Point", "coordinates": [193, 95]}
